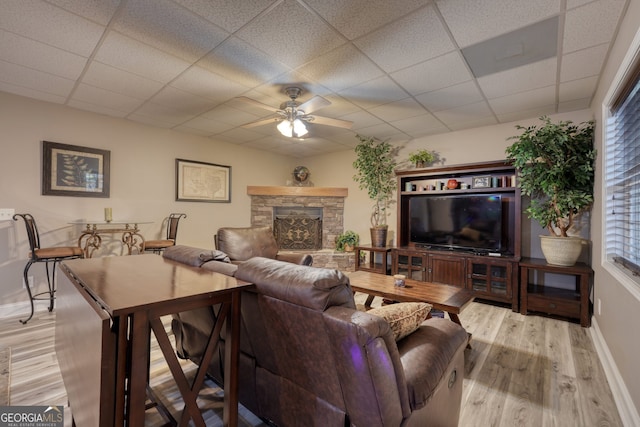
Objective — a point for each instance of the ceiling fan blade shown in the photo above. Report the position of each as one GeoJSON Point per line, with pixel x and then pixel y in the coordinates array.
{"type": "Point", "coordinates": [315, 103]}
{"type": "Point", "coordinates": [330, 122]}
{"type": "Point", "coordinates": [274, 119]}
{"type": "Point", "coordinates": [257, 104]}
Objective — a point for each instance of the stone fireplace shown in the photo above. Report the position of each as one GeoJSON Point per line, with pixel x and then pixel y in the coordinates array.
{"type": "Point", "coordinates": [303, 217]}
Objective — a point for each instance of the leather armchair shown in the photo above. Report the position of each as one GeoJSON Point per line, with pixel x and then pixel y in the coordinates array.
{"type": "Point", "coordinates": [243, 243]}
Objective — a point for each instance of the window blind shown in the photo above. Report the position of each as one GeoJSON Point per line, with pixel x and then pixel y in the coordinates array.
{"type": "Point", "coordinates": [622, 175]}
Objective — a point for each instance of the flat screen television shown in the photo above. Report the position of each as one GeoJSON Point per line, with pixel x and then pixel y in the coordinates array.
{"type": "Point", "coordinates": [468, 221]}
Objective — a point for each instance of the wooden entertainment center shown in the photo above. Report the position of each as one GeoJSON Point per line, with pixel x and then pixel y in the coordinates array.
{"type": "Point", "coordinates": [491, 275]}
{"type": "Point", "coordinates": [490, 271]}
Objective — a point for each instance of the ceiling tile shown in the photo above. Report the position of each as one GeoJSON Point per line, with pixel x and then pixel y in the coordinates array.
{"type": "Point", "coordinates": [523, 46]}
{"type": "Point", "coordinates": [100, 11]}
{"type": "Point", "coordinates": [100, 109]}
{"type": "Point", "coordinates": [138, 58]}
{"type": "Point", "coordinates": [291, 34]}
{"type": "Point", "coordinates": [30, 92]}
{"type": "Point", "coordinates": [578, 89]}
{"type": "Point", "coordinates": [39, 56]}
{"type": "Point", "coordinates": [521, 79]}
{"type": "Point", "coordinates": [375, 92]}
{"type": "Point", "coordinates": [163, 114]}
{"type": "Point", "coordinates": [437, 73]}
{"type": "Point", "coordinates": [183, 101]}
{"type": "Point", "coordinates": [115, 80]}
{"type": "Point", "coordinates": [22, 76]}
{"type": "Point", "coordinates": [341, 68]}
{"type": "Point", "coordinates": [421, 125]}
{"type": "Point", "coordinates": [46, 23]}
{"type": "Point", "coordinates": [591, 25]}
{"type": "Point", "coordinates": [578, 104]}
{"type": "Point", "coordinates": [104, 98]}
{"type": "Point", "coordinates": [513, 116]}
{"type": "Point", "coordinates": [465, 114]}
{"type": "Point", "coordinates": [524, 101]}
{"type": "Point", "coordinates": [170, 28]}
{"type": "Point", "coordinates": [583, 63]}
{"type": "Point", "coordinates": [362, 119]}
{"type": "Point", "coordinates": [242, 63]}
{"type": "Point", "coordinates": [397, 110]}
{"type": "Point", "coordinates": [228, 14]}
{"type": "Point", "coordinates": [241, 135]}
{"type": "Point", "coordinates": [408, 41]}
{"type": "Point", "coordinates": [201, 82]}
{"type": "Point", "coordinates": [451, 97]}
{"type": "Point", "coordinates": [356, 18]}
{"type": "Point", "coordinates": [474, 21]}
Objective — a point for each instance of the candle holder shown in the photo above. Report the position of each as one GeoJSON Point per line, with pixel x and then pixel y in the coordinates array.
{"type": "Point", "coordinates": [108, 214]}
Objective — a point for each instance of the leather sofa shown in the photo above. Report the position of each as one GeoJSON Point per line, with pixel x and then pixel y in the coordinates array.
{"type": "Point", "coordinates": [243, 243]}
{"type": "Point", "coordinates": [310, 358]}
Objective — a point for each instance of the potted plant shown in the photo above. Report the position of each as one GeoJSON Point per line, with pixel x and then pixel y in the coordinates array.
{"type": "Point", "coordinates": [347, 241]}
{"type": "Point", "coordinates": [555, 167]}
{"type": "Point", "coordinates": [374, 164]}
{"type": "Point", "coordinates": [421, 158]}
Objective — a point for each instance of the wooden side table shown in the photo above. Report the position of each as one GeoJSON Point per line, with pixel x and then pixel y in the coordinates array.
{"type": "Point", "coordinates": [572, 303]}
{"type": "Point", "coordinates": [376, 259]}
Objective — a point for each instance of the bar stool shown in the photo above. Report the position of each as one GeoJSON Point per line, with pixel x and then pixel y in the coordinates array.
{"type": "Point", "coordinates": [157, 246]}
{"type": "Point", "coordinates": [46, 255]}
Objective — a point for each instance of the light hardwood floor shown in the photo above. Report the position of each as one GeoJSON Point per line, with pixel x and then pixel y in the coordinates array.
{"type": "Point", "coordinates": [520, 371]}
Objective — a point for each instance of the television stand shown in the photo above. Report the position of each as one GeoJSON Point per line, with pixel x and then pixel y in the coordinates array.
{"type": "Point", "coordinates": [488, 274]}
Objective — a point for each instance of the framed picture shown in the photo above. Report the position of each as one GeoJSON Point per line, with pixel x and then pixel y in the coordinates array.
{"type": "Point", "coordinates": [202, 182]}
{"type": "Point", "coordinates": [71, 170]}
{"type": "Point", "coordinates": [481, 182]}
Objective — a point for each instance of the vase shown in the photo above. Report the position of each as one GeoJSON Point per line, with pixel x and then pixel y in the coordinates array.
{"type": "Point", "coordinates": [563, 251]}
{"type": "Point", "coordinates": [379, 236]}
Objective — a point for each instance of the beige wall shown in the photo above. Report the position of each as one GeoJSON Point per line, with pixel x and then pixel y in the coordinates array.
{"type": "Point", "coordinates": [618, 295]}
{"type": "Point", "coordinates": [142, 180]}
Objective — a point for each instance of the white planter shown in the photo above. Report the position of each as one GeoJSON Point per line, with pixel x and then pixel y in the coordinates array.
{"type": "Point", "coordinates": [563, 251]}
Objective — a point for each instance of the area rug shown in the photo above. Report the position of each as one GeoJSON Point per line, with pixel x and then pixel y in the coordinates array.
{"type": "Point", "coordinates": [5, 375]}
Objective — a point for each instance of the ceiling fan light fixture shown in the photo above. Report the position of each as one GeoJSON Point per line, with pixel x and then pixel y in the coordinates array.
{"type": "Point", "coordinates": [290, 128]}
{"type": "Point", "coordinates": [286, 128]}
{"type": "Point", "coordinates": [299, 128]}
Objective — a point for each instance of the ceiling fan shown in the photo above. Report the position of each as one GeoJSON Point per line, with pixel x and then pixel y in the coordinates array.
{"type": "Point", "coordinates": [292, 116]}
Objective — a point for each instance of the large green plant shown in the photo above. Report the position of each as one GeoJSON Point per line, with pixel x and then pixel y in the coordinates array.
{"type": "Point", "coordinates": [555, 163]}
{"type": "Point", "coordinates": [375, 163]}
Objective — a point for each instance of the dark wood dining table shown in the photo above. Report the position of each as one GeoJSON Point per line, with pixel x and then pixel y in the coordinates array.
{"type": "Point", "coordinates": [107, 309]}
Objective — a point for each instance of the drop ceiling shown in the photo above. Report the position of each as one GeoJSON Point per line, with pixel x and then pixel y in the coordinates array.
{"type": "Point", "coordinates": [399, 70]}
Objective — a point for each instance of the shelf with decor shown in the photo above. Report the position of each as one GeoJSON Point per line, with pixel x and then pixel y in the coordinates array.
{"type": "Point", "coordinates": [461, 225]}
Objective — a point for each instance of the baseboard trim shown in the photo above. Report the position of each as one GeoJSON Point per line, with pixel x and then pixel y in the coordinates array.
{"type": "Point", "coordinates": [626, 408]}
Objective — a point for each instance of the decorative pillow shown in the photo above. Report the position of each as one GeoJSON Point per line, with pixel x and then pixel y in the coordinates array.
{"type": "Point", "coordinates": [403, 317]}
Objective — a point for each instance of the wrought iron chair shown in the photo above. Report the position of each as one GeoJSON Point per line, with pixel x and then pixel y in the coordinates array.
{"type": "Point", "coordinates": [47, 255]}
{"type": "Point", "coordinates": [157, 246]}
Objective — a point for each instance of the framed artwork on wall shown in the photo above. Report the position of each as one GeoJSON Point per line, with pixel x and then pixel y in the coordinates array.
{"type": "Point", "coordinates": [72, 170]}
{"type": "Point", "coordinates": [202, 182]}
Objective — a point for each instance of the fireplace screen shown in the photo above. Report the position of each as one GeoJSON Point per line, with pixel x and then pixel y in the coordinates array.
{"type": "Point", "coordinates": [298, 229]}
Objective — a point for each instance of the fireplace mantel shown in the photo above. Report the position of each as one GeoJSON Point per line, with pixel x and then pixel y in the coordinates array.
{"type": "Point", "coordinates": [253, 190]}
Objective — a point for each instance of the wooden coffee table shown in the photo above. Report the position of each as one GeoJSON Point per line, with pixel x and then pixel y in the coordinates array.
{"type": "Point", "coordinates": [447, 298]}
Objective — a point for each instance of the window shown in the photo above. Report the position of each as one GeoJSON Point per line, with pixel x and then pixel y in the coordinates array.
{"type": "Point", "coordinates": [622, 175]}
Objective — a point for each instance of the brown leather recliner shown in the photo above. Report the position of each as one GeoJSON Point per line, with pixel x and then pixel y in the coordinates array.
{"type": "Point", "coordinates": [310, 358]}
{"type": "Point", "coordinates": [243, 243]}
